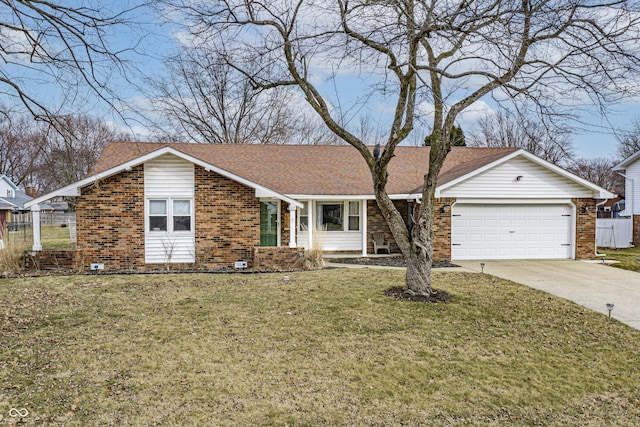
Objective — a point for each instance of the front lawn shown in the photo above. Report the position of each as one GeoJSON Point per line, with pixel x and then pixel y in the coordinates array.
{"type": "Point", "coordinates": [323, 348]}
{"type": "Point", "coordinates": [628, 258]}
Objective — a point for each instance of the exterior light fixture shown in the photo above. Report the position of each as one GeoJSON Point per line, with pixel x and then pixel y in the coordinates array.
{"type": "Point", "coordinates": [482, 267]}
{"type": "Point", "coordinates": [610, 306]}
{"type": "Point", "coordinates": [586, 208]}
{"type": "Point", "coordinates": [519, 178]}
{"type": "Point", "coordinates": [444, 209]}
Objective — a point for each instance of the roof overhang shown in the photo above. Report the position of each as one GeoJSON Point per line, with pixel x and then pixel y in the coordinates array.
{"type": "Point", "coordinates": [598, 192]}
{"type": "Point", "coordinates": [626, 162]}
{"type": "Point", "coordinates": [73, 190]}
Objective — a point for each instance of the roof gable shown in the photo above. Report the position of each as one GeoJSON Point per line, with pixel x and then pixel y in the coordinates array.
{"type": "Point", "coordinates": [628, 161]}
{"type": "Point", "coordinates": [521, 174]}
{"type": "Point", "coordinates": [74, 189]}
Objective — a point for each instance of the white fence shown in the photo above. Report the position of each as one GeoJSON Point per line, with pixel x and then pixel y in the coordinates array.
{"type": "Point", "coordinates": [614, 232]}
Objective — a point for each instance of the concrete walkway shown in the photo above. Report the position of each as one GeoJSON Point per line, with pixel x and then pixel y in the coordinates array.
{"type": "Point", "coordinates": [591, 285]}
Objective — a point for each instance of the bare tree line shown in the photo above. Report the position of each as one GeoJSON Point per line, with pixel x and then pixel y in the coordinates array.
{"type": "Point", "coordinates": [35, 153]}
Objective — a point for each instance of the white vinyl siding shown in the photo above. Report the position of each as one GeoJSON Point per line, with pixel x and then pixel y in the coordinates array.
{"type": "Point", "coordinates": [632, 189]}
{"type": "Point", "coordinates": [502, 181]}
{"type": "Point", "coordinates": [511, 232]}
{"type": "Point", "coordinates": [170, 179]}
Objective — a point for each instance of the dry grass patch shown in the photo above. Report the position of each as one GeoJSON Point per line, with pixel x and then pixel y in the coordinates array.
{"type": "Point", "coordinates": [324, 348]}
{"type": "Point", "coordinates": [629, 258]}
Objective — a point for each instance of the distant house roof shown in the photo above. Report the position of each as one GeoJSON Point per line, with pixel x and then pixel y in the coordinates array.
{"type": "Point", "coordinates": [291, 172]}
{"type": "Point", "coordinates": [8, 181]}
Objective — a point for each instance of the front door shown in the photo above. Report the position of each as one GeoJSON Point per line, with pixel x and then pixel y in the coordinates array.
{"type": "Point", "coordinates": [268, 223]}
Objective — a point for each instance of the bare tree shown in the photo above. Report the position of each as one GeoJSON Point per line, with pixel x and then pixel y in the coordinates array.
{"type": "Point", "coordinates": [503, 129]}
{"type": "Point", "coordinates": [208, 101]}
{"type": "Point", "coordinates": [599, 171]}
{"type": "Point", "coordinates": [629, 141]}
{"type": "Point", "coordinates": [449, 54]}
{"type": "Point", "coordinates": [72, 150]}
{"type": "Point", "coordinates": [55, 42]}
{"type": "Point", "coordinates": [22, 143]}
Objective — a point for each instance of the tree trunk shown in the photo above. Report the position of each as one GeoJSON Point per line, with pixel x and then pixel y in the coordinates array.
{"type": "Point", "coordinates": [418, 279]}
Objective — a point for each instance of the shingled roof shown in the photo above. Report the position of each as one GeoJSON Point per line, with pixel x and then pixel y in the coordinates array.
{"type": "Point", "coordinates": [298, 170]}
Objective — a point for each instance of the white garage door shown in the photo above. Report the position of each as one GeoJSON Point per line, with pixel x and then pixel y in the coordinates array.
{"type": "Point", "coordinates": [511, 232]}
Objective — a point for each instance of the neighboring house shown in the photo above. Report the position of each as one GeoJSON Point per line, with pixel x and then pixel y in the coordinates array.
{"type": "Point", "coordinates": [611, 208]}
{"type": "Point", "coordinates": [630, 170]}
{"type": "Point", "coordinates": [208, 206]}
{"type": "Point", "coordinates": [12, 202]}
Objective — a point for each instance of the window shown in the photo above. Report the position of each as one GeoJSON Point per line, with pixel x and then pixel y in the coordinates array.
{"type": "Point", "coordinates": [304, 217]}
{"type": "Point", "coordinates": [158, 215]}
{"type": "Point", "coordinates": [332, 216]}
{"type": "Point", "coordinates": [354, 216]}
{"type": "Point", "coordinates": [182, 215]}
{"type": "Point", "coordinates": [170, 215]}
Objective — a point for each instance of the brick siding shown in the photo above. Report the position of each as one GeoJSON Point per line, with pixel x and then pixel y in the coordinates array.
{"type": "Point", "coordinates": [110, 222]}
{"type": "Point", "coordinates": [636, 230]}
{"type": "Point", "coordinates": [442, 227]}
{"type": "Point", "coordinates": [585, 229]}
{"type": "Point", "coordinates": [227, 220]}
{"type": "Point", "coordinates": [110, 226]}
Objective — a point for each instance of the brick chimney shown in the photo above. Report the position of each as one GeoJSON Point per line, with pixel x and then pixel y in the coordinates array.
{"type": "Point", "coordinates": [31, 191]}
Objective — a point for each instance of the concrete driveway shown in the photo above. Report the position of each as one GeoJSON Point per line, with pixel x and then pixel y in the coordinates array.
{"type": "Point", "coordinates": [592, 285]}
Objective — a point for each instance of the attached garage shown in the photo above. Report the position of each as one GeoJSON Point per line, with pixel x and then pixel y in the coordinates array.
{"type": "Point", "coordinates": [523, 231]}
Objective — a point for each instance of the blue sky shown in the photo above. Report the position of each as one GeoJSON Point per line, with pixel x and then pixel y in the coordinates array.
{"type": "Point", "coordinates": [593, 138]}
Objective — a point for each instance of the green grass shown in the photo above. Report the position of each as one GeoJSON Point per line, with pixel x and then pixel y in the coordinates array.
{"type": "Point", "coordinates": [628, 258]}
{"type": "Point", "coordinates": [325, 348]}
{"type": "Point", "coordinates": [51, 237]}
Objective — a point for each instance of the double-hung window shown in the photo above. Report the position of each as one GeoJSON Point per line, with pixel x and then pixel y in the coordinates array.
{"type": "Point", "coordinates": [170, 215]}
{"type": "Point", "coordinates": [334, 216]}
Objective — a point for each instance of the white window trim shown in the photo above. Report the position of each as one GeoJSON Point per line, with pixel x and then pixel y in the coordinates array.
{"type": "Point", "coordinates": [169, 201]}
{"type": "Point", "coordinates": [345, 215]}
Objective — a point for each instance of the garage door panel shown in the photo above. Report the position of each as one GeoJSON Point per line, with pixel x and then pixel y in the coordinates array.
{"type": "Point", "coordinates": [511, 232]}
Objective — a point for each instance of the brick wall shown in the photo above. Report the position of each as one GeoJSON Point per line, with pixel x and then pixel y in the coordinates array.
{"type": "Point", "coordinates": [442, 227]}
{"type": "Point", "coordinates": [278, 258]}
{"type": "Point", "coordinates": [585, 229]}
{"type": "Point", "coordinates": [110, 225]}
{"type": "Point", "coordinates": [67, 260]}
{"type": "Point", "coordinates": [227, 220]}
{"type": "Point", "coordinates": [636, 230]}
{"type": "Point", "coordinates": [110, 222]}
{"type": "Point", "coordinates": [442, 230]}
{"type": "Point", "coordinates": [376, 223]}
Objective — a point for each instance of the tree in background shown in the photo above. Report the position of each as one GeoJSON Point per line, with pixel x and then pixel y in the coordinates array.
{"type": "Point", "coordinates": [629, 141]}
{"type": "Point", "coordinates": [72, 149]}
{"type": "Point", "coordinates": [36, 154]}
{"type": "Point", "coordinates": [504, 129]}
{"type": "Point", "coordinates": [205, 100]}
{"type": "Point", "coordinates": [599, 171]}
{"type": "Point", "coordinates": [456, 137]}
{"type": "Point", "coordinates": [22, 145]}
{"type": "Point", "coordinates": [70, 45]}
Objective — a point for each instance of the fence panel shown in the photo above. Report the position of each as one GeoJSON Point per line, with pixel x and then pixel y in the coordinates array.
{"type": "Point", "coordinates": [614, 232]}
